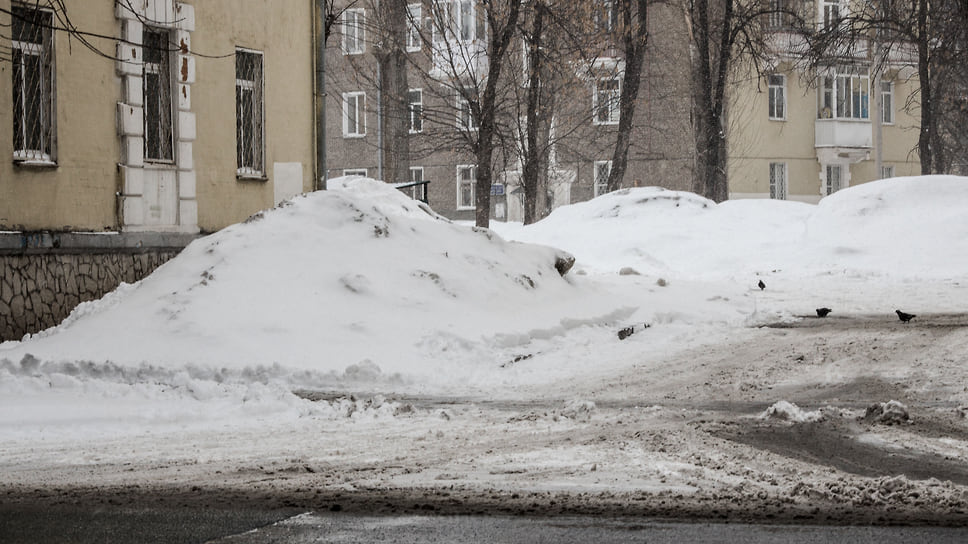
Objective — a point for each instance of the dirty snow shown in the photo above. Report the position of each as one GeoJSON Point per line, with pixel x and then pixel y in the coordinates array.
{"type": "Point", "coordinates": [389, 348]}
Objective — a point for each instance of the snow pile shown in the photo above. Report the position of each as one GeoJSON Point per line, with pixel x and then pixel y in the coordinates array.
{"type": "Point", "coordinates": [787, 411]}
{"type": "Point", "coordinates": [908, 228]}
{"type": "Point", "coordinates": [891, 412]}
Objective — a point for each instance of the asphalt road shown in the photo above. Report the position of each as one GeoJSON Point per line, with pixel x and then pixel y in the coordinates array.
{"type": "Point", "coordinates": [102, 525]}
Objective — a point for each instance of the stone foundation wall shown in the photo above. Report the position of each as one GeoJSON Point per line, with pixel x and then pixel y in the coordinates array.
{"type": "Point", "coordinates": [43, 275]}
{"type": "Point", "coordinates": [39, 291]}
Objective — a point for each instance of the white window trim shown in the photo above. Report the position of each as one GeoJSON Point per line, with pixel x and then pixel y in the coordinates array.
{"type": "Point", "coordinates": [473, 183]}
{"type": "Point", "coordinates": [618, 107]}
{"type": "Point", "coordinates": [891, 111]}
{"type": "Point", "coordinates": [595, 182]}
{"type": "Point", "coordinates": [469, 125]}
{"type": "Point", "coordinates": [840, 76]}
{"type": "Point", "coordinates": [169, 80]}
{"type": "Point", "coordinates": [410, 111]}
{"type": "Point", "coordinates": [360, 36]}
{"type": "Point", "coordinates": [414, 21]}
{"type": "Point", "coordinates": [779, 188]}
{"type": "Point", "coordinates": [783, 96]}
{"type": "Point", "coordinates": [355, 172]}
{"type": "Point", "coordinates": [360, 115]}
{"type": "Point", "coordinates": [245, 171]}
{"type": "Point", "coordinates": [842, 12]}
{"type": "Point", "coordinates": [415, 169]}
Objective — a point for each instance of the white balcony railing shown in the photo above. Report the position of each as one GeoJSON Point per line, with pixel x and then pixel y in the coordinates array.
{"type": "Point", "coordinates": [843, 133]}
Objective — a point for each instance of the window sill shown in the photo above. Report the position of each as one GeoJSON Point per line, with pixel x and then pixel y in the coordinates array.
{"type": "Point", "coordinates": [466, 208]}
{"type": "Point", "coordinates": [34, 163]}
{"type": "Point", "coordinates": [251, 176]}
{"type": "Point", "coordinates": [354, 136]}
{"type": "Point", "coordinates": [777, 118]}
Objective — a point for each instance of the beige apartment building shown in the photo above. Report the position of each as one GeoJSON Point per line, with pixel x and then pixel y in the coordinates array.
{"type": "Point", "coordinates": [803, 133]}
{"type": "Point", "coordinates": [151, 122]}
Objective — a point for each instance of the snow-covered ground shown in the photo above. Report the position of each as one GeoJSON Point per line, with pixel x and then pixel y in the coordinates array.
{"type": "Point", "coordinates": [358, 339]}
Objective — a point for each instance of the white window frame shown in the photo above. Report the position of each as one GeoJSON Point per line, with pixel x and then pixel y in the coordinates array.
{"type": "Point", "coordinates": [600, 177]}
{"type": "Point", "coordinates": [465, 116]}
{"type": "Point", "coordinates": [832, 13]}
{"type": "Point", "coordinates": [777, 97]}
{"type": "Point", "coordinates": [455, 20]}
{"type": "Point", "coordinates": [613, 98]}
{"type": "Point", "coordinates": [417, 192]}
{"type": "Point", "coordinates": [354, 31]}
{"type": "Point", "coordinates": [844, 93]}
{"type": "Point", "coordinates": [887, 171]}
{"type": "Point", "coordinates": [358, 106]}
{"type": "Point", "coordinates": [471, 181]}
{"type": "Point", "coordinates": [415, 111]}
{"type": "Point", "coordinates": [779, 182]}
{"type": "Point", "coordinates": [45, 123]}
{"type": "Point", "coordinates": [606, 16]}
{"type": "Point", "coordinates": [255, 143]}
{"type": "Point", "coordinates": [414, 21]}
{"type": "Point", "coordinates": [887, 102]}
{"type": "Point", "coordinates": [355, 172]}
{"type": "Point", "coordinates": [165, 125]}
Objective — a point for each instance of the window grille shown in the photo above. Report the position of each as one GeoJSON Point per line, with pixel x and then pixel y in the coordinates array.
{"type": "Point", "coordinates": [608, 94]}
{"type": "Point", "coordinates": [833, 179]}
{"type": "Point", "coordinates": [249, 114]}
{"type": "Point", "coordinates": [778, 180]}
{"type": "Point", "coordinates": [157, 95]}
{"type": "Point", "coordinates": [602, 171]}
{"type": "Point", "coordinates": [33, 84]}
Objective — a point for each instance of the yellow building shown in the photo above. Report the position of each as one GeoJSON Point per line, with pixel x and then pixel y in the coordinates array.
{"type": "Point", "coordinates": [800, 133]}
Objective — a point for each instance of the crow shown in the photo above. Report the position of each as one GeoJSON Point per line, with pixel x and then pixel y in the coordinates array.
{"type": "Point", "coordinates": [904, 317]}
{"type": "Point", "coordinates": [822, 312]}
{"type": "Point", "coordinates": [761, 285]}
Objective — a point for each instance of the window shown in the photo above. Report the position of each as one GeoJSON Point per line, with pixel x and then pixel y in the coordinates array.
{"type": "Point", "coordinates": [415, 109]}
{"type": "Point", "coordinates": [456, 20]}
{"type": "Point", "coordinates": [779, 15]}
{"type": "Point", "coordinates": [834, 182]}
{"type": "Point", "coordinates": [466, 179]}
{"type": "Point", "coordinates": [833, 12]}
{"type": "Point", "coordinates": [887, 172]}
{"type": "Point", "coordinates": [887, 103]}
{"type": "Point", "coordinates": [249, 113]}
{"type": "Point", "coordinates": [777, 85]}
{"type": "Point", "coordinates": [466, 102]}
{"type": "Point", "coordinates": [414, 18]}
{"type": "Point", "coordinates": [845, 94]}
{"type": "Point", "coordinates": [608, 93]}
{"type": "Point", "coordinates": [353, 31]}
{"type": "Point", "coordinates": [601, 172]}
{"type": "Point", "coordinates": [778, 180]}
{"type": "Point", "coordinates": [354, 115]}
{"type": "Point", "coordinates": [354, 172]}
{"type": "Point", "coordinates": [157, 95]}
{"type": "Point", "coordinates": [606, 16]}
{"type": "Point", "coordinates": [418, 192]}
{"type": "Point", "coordinates": [32, 57]}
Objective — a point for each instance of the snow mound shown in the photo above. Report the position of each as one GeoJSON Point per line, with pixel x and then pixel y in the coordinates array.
{"type": "Point", "coordinates": [891, 413]}
{"type": "Point", "coordinates": [787, 411]}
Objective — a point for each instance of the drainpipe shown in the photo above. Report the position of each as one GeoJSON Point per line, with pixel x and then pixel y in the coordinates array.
{"type": "Point", "coordinates": [320, 94]}
{"type": "Point", "coordinates": [379, 122]}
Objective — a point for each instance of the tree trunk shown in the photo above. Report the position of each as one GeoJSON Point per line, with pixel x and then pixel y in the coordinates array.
{"type": "Point", "coordinates": [394, 106]}
{"type": "Point", "coordinates": [497, 46]}
{"type": "Point", "coordinates": [925, 135]}
{"type": "Point", "coordinates": [532, 163]}
{"type": "Point", "coordinates": [709, 101]}
{"type": "Point", "coordinates": [636, 37]}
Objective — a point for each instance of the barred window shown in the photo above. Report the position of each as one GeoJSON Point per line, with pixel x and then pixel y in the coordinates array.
{"type": "Point", "coordinates": [602, 171]}
{"type": "Point", "coordinates": [157, 95]}
{"type": "Point", "coordinates": [778, 180]}
{"type": "Point", "coordinates": [32, 56]}
{"type": "Point", "coordinates": [249, 149]}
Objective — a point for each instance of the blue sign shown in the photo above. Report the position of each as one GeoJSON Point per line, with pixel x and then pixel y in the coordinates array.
{"type": "Point", "coordinates": [497, 189]}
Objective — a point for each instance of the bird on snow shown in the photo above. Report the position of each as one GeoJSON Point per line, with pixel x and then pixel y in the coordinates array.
{"type": "Point", "coordinates": [822, 312]}
{"type": "Point", "coordinates": [904, 317]}
{"type": "Point", "coordinates": [761, 285]}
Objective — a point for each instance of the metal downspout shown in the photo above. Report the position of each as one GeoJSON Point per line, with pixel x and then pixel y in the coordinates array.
{"type": "Point", "coordinates": [320, 94]}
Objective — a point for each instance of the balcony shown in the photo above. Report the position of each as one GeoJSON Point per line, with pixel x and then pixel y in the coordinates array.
{"type": "Point", "coordinates": [459, 59]}
{"type": "Point", "coordinates": [843, 133]}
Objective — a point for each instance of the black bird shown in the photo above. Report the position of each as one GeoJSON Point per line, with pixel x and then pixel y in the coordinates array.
{"type": "Point", "coordinates": [822, 312]}
{"type": "Point", "coordinates": [761, 285]}
{"type": "Point", "coordinates": [904, 317]}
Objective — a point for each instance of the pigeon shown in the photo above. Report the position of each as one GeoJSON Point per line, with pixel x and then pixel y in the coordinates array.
{"type": "Point", "coordinates": [904, 317]}
{"type": "Point", "coordinates": [822, 312]}
{"type": "Point", "coordinates": [761, 285]}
